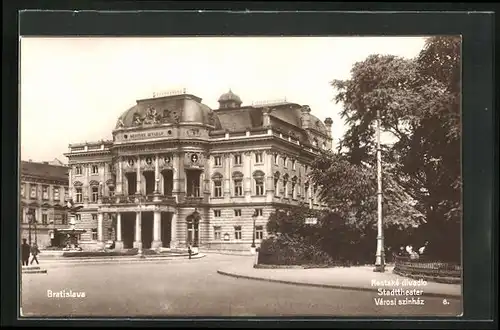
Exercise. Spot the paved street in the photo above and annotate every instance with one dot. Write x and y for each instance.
(193, 288)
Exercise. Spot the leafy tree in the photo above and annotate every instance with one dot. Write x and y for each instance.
(419, 105)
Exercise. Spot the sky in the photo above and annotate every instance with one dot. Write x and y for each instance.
(73, 90)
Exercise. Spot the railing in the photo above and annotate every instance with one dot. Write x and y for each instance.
(133, 199)
(426, 267)
(193, 199)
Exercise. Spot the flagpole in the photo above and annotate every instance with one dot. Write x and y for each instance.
(379, 257)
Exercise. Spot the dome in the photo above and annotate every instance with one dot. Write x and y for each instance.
(230, 96)
(171, 110)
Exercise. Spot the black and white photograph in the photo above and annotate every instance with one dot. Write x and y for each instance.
(232, 176)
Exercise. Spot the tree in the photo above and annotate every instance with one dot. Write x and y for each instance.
(419, 103)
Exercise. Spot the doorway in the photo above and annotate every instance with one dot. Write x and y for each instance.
(147, 229)
(128, 229)
(166, 229)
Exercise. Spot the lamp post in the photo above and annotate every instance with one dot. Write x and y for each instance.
(379, 257)
(252, 248)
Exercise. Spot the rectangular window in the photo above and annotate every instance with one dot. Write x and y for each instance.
(217, 232)
(237, 159)
(259, 187)
(95, 194)
(237, 213)
(276, 159)
(218, 188)
(94, 217)
(111, 191)
(259, 232)
(56, 193)
(95, 169)
(66, 193)
(258, 157)
(64, 219)
(237, 232)
(293, 190)
(94, 234)
(217, 213)
(258, 212)
(78, 195)
(294, 164)
(33, 191)
(276, 190)
(285, 161)
(22, 189)
(45, 192)
(78, 170)
(238, 187)
(45, 219)
(78, 217)
(217, 161)
(110, 168)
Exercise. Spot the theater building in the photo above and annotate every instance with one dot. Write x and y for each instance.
(43, 190)
(178, 172)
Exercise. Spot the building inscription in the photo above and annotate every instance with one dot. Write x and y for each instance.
(144, 135)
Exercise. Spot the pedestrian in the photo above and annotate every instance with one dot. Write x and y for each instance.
(422, 250)
(189, 251)
(34, 252)
(25, 252)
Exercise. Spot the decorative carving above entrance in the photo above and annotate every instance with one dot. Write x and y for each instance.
(194, 159)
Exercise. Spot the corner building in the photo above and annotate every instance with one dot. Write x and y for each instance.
(179, 173)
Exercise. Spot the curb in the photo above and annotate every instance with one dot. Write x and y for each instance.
(329, 286)
(72, 261)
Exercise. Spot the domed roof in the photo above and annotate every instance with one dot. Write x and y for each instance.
(184, 109)
(230, 96)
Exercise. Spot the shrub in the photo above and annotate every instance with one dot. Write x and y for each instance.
(284, 250)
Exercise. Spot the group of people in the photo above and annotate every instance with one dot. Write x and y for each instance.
(409, 252)
(26, 250)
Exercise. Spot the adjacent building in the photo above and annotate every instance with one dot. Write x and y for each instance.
(43, 191)
(178, 172)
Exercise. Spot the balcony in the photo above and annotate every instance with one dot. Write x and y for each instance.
(139, 199)
(193, 200)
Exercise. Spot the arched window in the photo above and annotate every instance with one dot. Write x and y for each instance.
(276, 183)
(285, 184)
(217, 180)
(259, 182)
(294, 183)
(238, 183)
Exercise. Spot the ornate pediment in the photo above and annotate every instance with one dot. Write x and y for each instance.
(150, 117)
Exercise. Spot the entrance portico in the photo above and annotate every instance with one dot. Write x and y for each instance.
(142, 229)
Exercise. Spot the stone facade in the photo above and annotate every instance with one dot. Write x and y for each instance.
(43, 190)
(179, 173)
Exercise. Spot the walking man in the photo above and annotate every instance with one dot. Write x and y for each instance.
(34, 252)
(25, 252)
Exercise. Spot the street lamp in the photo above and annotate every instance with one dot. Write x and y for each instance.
(254, 216)
(379, 257)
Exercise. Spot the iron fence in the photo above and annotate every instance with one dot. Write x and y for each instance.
(426, 266)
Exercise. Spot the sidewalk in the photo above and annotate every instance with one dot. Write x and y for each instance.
(114, 259)
(352, 278)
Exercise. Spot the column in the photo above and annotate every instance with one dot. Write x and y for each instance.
(227, 175)
(119, 178)
(100, 240)
(173, 230)
(119, 242)
(156, 230)
(138, 187)
(70, 185)
(85, 190)
(247, 176)
(177, 168)
(268, 161)
(138, 223)
(157, 175)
